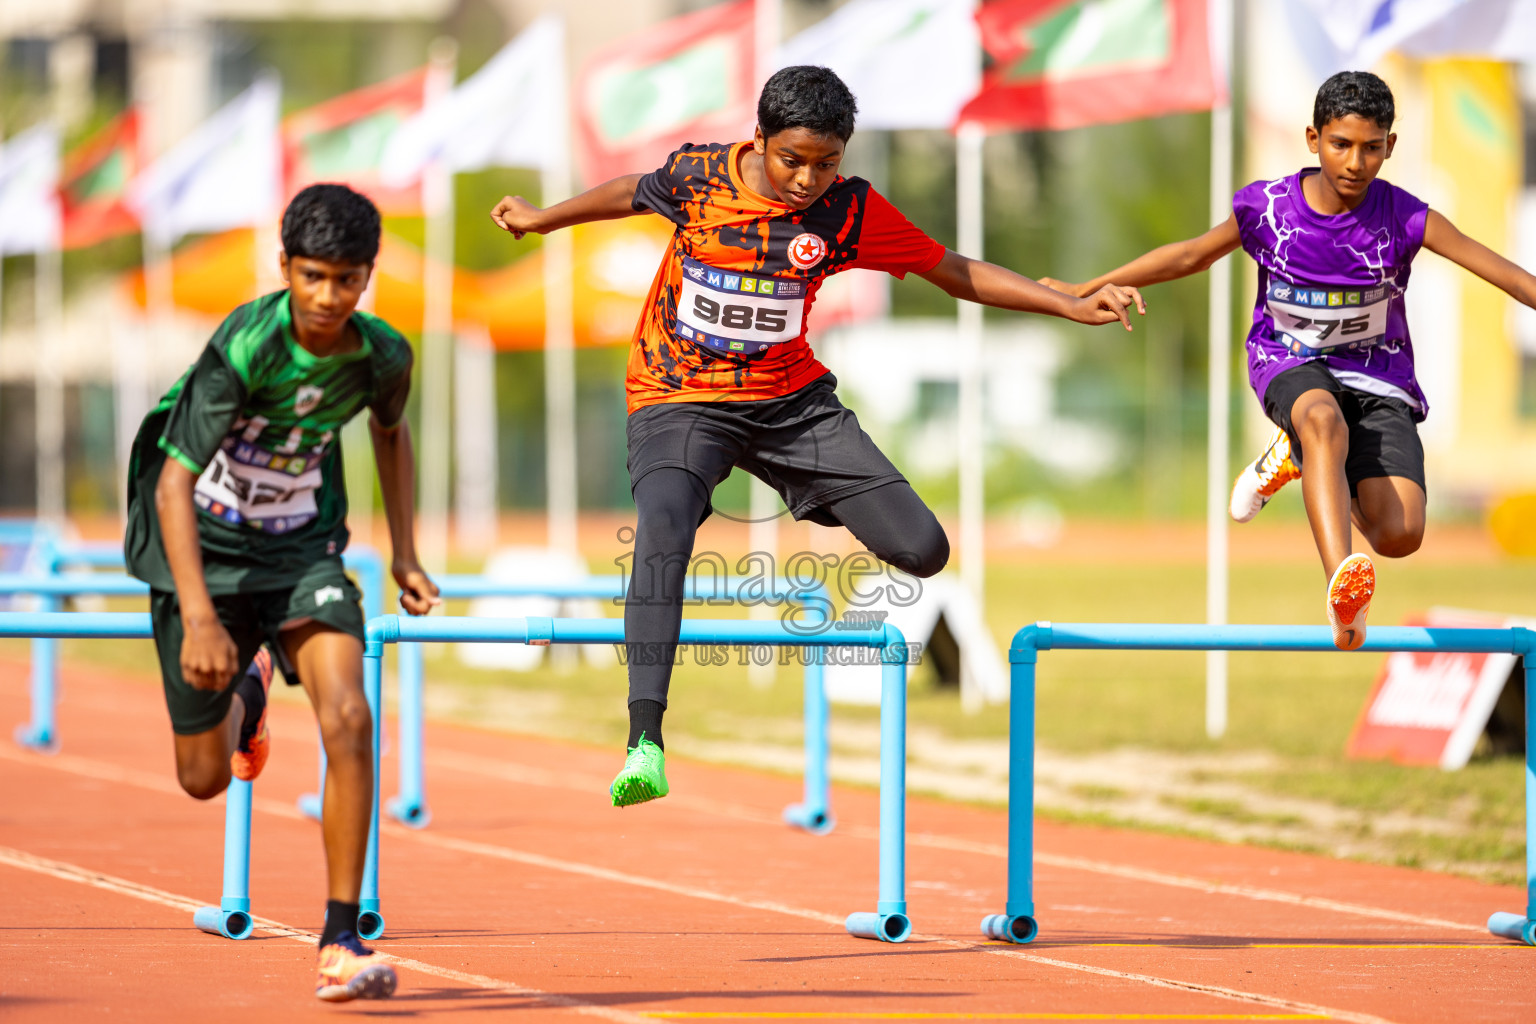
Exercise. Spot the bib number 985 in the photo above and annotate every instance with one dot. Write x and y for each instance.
(739, 317)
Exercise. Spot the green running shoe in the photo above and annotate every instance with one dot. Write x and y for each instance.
(644, 776)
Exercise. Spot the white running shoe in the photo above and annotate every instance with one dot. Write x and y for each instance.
(1261, 480)
(1349, 601)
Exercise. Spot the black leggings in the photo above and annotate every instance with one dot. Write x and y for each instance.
(890, 520)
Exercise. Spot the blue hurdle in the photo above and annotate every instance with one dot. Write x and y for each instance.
(813, 813)
(41, 733)
(888, 922)
(1017, 921)
(232, 917)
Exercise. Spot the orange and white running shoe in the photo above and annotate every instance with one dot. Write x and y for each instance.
(1349, 600)
(350, 970)
(1259, 482)
(250, 757)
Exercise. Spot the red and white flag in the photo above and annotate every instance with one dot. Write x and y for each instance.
(689, 79)
(1069, 63)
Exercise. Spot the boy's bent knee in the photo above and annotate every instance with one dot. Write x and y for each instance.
(1398, 543)
(1322, 419)
(203, 781)
(927, 553)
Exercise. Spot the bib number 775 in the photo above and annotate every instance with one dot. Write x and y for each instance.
(740, 317)
(1323, 328)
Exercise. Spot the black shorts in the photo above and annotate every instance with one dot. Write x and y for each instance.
(807, 446)
(324, 594)
(1383, 438)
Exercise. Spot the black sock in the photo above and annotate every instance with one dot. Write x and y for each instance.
(254, 697)
(645, 719)
(339, 917)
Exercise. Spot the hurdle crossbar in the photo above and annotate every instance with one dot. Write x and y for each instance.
(813, 813)
(1017, 922)
(888, 922)
(41, 732)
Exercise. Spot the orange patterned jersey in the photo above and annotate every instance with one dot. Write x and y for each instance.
(726, 316)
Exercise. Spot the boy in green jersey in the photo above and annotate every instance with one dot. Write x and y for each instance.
(237, 521)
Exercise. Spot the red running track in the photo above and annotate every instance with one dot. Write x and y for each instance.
(530, 895)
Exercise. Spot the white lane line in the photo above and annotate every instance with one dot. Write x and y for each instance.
(104, 771)
(532, 775)
(124, 887)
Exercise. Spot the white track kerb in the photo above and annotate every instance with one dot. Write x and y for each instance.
(1017, 921)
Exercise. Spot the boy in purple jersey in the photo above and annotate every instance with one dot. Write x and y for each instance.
(1328, 353)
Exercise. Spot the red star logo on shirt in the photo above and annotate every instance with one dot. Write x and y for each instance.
(807, 250)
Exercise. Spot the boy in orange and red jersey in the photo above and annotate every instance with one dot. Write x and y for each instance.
(720, 374)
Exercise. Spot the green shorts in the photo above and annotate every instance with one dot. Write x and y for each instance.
(324, 594)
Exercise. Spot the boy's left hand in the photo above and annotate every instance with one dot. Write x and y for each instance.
(1063, 286)
(1107, 305)
(418, 594)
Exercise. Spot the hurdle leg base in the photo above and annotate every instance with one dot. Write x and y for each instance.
(883, 927)
(410, 813)
(1021, 929)
(818, 821)
(311, 806)
(370, 921)
(1513, 926)
(228, 922)
(42, 741)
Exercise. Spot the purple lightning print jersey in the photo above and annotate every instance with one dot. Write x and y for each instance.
(1331, 287)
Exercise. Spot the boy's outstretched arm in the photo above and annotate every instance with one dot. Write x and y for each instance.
(1442, 238)
(992, 285)
(1165, 263)
(396, 461)
(608, 201)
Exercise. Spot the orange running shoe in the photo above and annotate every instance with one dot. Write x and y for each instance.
(1349, 600)
(350, 970)
(250, 757)
(1262, 480)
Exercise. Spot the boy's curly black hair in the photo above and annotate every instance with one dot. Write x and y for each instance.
(806, 96)
(331, 223)
(1354, 92)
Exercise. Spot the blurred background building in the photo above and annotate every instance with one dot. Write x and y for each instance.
(1076, 421)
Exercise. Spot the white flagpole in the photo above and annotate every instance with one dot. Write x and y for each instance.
(1218, 436)
(969, 138)
(48, 383)
(437, 329)
(560, 337)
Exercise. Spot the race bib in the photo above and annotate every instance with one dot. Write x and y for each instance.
(735, 313)
(273, 493)
(1311, 321)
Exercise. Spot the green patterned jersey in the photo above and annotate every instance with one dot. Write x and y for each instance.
(258, 419)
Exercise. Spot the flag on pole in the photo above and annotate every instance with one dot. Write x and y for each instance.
(1068, 63)
(95, 184)
(343, 140)
(507, 114)
(1356, 34)
(910, 63)
(29, 191)
(688, 79)
(224, 175)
